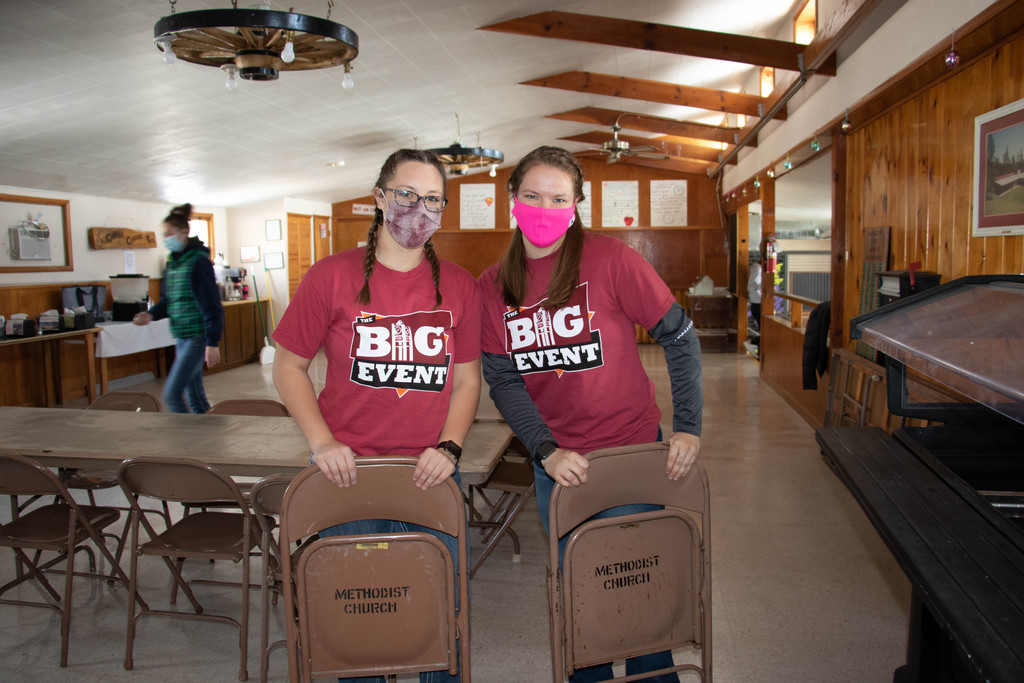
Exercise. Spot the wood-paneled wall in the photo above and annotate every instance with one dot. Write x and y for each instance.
(679, 254)
(912, 169)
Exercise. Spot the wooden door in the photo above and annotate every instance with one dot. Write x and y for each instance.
(321, 237)
(300, 249)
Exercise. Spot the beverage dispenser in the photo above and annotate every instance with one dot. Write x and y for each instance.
(131, 295)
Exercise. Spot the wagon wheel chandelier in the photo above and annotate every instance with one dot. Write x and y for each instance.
(256, 43)
(458, 159)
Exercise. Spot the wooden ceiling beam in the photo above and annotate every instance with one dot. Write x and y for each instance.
(657, 91)
(643, 35)
(672, 164)
(650, 124)
(682, 148)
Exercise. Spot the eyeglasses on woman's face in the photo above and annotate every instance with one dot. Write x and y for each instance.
(409, 199)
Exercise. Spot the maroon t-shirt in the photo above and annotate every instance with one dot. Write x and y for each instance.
(580, 363)
(389, 362)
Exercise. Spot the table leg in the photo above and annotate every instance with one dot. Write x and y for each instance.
(90, 362)
(161, 360)
(104, 375)
(58, 382)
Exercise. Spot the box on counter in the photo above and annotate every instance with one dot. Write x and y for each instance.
(20, 328)
(49, 323)
(77, 321)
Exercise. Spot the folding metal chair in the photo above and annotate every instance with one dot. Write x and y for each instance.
(636, 584)
(514, 480)
(90, 480)
(202, 535)
(263, 407)
(266, 498)
(62, 527)
(375, 604)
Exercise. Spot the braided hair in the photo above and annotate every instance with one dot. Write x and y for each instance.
(387, 172)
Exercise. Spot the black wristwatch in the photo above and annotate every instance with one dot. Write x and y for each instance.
(544, 451)
(451, 448)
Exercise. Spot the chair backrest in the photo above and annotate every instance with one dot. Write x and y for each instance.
(21, 476)
(633, 584)
(377, 603)
(262, 407)
(181, 480)
(267, 497)
(133, 401)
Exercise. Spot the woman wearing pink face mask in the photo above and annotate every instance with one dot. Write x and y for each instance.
(401, 332)
(559, 346)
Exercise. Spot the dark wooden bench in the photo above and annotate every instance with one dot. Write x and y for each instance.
(964, 561)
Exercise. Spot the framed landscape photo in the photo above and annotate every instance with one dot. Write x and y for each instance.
(273, 230)
(999, 172)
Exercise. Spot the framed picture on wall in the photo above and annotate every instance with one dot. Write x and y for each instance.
(36, 234)
(250, 254)
(273, 230)
(273, 260)
(999, 171)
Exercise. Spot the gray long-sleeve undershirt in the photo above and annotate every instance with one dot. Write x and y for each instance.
(676, 335)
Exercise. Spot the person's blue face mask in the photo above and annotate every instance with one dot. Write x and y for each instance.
(174, 244)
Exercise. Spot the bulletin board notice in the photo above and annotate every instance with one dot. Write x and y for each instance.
(476, 206)
(668, 202)
(583, 208)
(620, 203)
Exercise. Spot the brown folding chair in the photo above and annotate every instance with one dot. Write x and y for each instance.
(202, 535)
(636, 584)
(375, 604)
(514, 480)
(263, 407)
(266, 498)
(62, 527)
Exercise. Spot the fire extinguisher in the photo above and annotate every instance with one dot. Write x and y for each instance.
(771, 252)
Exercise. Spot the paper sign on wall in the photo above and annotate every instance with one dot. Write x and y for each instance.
(620, 203)
(476, 206)
(668, 202)
(363, 209)
(583, 208)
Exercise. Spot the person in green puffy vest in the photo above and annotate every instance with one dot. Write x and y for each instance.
(190, 298)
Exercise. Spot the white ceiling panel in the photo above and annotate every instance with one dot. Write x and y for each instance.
(88, 105)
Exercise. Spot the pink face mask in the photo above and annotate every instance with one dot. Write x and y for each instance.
(543, 227)
(411, 226)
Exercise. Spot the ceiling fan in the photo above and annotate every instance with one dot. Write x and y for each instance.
(616, 148)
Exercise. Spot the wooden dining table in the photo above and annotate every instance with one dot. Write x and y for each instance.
(240, 445)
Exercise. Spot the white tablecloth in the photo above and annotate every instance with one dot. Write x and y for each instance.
(123, 338)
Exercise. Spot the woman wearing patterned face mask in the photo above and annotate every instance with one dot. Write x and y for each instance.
(559, 346)
(375, 310)
(190, 298)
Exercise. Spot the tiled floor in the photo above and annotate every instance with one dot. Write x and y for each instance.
(803, 589)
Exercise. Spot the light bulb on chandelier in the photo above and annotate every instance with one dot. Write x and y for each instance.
(288, 53)
(347, 83)
(231, 70)
(494, 171)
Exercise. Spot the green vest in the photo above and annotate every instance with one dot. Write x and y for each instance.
(186, 318)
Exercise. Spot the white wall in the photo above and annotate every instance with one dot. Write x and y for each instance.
(248, 228)
(88, 211)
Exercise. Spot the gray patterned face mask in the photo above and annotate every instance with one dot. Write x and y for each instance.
(411, 226)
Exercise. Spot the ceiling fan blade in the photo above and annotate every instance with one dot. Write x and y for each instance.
(648, 155)
(645, 148)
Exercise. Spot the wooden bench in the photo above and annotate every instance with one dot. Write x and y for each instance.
(964, 561)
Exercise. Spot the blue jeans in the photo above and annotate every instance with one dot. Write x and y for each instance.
(387, 526)
(634, 665)
(185, 380)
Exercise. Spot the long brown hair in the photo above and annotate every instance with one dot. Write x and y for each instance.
(512, 269)
(387, 172)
